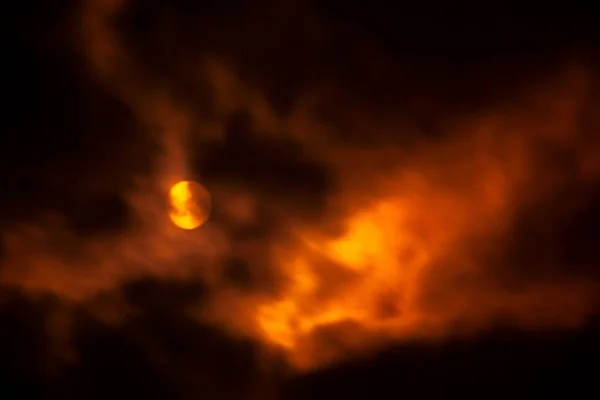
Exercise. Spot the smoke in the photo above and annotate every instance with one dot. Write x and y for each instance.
(353, 206)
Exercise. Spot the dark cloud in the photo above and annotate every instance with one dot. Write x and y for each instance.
(157, 351)
(274, 167)
(161, 352)
(238, 272)
(163, 296)
(550, 242)
(23, 344)
(106, 215)
(495, 365)
(66, 136)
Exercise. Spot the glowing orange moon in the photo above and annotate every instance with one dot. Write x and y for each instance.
(190, 204)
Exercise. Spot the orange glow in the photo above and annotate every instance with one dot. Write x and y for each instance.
(418, 235)
(190, 204)
(370, 252)
(403, 262)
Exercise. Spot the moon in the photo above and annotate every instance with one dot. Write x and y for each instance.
(190, 204)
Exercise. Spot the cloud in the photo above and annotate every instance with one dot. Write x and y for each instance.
(360, 201)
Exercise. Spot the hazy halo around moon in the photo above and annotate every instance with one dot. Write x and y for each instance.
(190, 204)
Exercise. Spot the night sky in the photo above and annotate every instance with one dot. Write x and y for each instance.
(406, 200)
